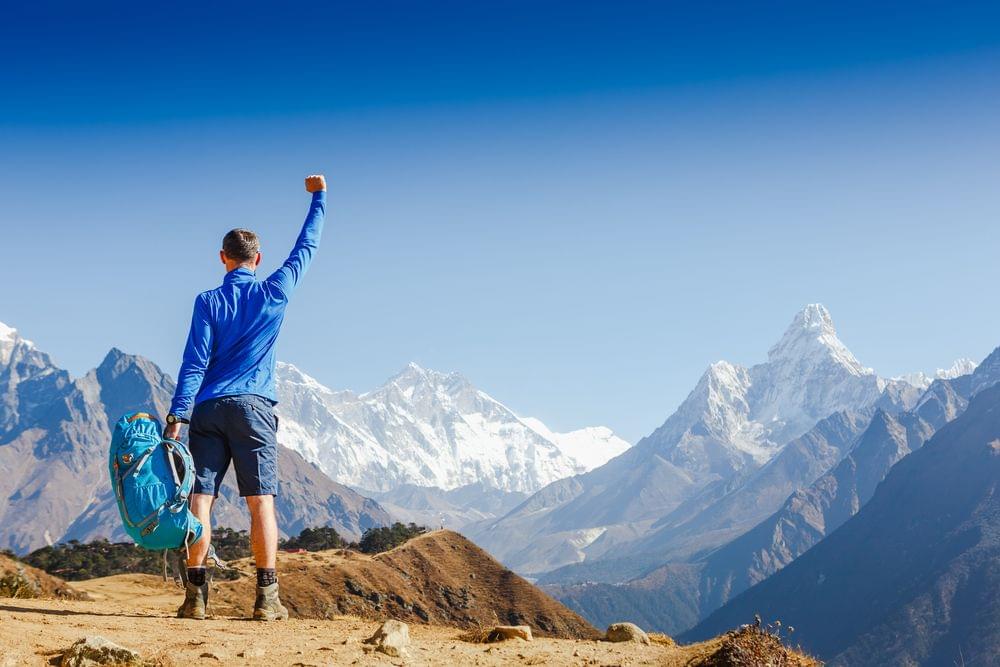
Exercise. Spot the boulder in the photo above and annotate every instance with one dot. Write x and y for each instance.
(392, 638)
(96, 650)
(626, 632)
(503, 632)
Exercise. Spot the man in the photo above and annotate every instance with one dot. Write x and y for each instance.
(226, 389)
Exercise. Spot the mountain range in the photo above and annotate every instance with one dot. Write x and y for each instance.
(432, 433)
(732, 425)
(766, 483)
(913, 578)
(729, 492)
(54, 443)
(429, 429)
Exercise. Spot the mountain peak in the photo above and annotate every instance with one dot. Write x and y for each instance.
(415, 374)
(961, 366)
(9, 340)
(813, 320)
(118, 364)
(9, 337)
(815, 316)
(293, 375)
(812, 334)
(116, 360)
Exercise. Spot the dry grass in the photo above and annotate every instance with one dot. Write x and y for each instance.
(18, 580)
(755, 646)
(16, 584)
(661, 639)
(480, 634)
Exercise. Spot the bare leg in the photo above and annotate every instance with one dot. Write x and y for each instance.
(263, 530)
(201, 505)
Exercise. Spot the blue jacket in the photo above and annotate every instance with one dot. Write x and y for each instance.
(230, 349)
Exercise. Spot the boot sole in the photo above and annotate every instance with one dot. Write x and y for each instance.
(265, 615)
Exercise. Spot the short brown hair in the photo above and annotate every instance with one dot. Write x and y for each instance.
(240, 245)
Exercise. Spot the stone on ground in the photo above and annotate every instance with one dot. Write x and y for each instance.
(504, 632)
(392, 638)
(626, 632)
(96, 650)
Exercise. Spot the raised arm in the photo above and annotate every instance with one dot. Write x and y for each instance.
(196, 355)
(288, 276)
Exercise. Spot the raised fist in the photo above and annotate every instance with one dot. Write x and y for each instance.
(315, 183)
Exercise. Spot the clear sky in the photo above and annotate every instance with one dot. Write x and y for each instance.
(577, 205)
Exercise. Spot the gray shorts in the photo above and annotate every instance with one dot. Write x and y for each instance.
(242, 429)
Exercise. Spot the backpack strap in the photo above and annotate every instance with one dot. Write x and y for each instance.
(183, 486)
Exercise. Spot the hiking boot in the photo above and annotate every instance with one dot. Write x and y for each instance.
(267, 606)
(195, 602)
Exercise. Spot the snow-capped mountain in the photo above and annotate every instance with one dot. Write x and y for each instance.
(428, 429)
(26, 374)
(963, 366)
(590, 446)
(739, 417)
(734, 421)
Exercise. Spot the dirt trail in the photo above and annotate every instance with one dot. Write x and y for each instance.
(32, 632)
(137, 611)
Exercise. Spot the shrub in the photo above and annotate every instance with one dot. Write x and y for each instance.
(377, 540)
(17, 584)
(315, 539)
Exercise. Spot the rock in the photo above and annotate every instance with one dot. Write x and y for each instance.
(221, 656)
(96, 650)
(392, 638)
(353, 587)
(504, 632)
(252, 652)
(626, 632)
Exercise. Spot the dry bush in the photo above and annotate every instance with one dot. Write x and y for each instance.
(17, 584)
(757, 646)
(480, 634)
(661, 639)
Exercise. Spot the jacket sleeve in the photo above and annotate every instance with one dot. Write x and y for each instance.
(288, 276)
(197, 353)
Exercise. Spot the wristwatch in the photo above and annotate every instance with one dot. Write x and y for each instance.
(174, 419)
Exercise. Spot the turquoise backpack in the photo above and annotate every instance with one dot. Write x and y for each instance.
(152, 479)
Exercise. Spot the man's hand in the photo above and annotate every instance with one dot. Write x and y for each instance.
(315, 183)
(172, 431)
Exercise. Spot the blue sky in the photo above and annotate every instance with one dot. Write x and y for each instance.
(577, 205)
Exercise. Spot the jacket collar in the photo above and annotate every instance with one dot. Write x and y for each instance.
(239, 276)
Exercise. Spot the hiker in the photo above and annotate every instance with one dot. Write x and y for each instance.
(226, 389)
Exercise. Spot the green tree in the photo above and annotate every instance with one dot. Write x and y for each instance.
(315, 539)
(377, 540)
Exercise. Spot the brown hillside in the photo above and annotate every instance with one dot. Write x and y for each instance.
(439, 578)
(31, 582)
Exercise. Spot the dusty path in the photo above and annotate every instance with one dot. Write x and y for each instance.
(136, 611)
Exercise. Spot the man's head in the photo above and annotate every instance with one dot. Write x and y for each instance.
(240, 248)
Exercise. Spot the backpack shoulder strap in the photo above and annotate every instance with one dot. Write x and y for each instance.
(183, 486)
